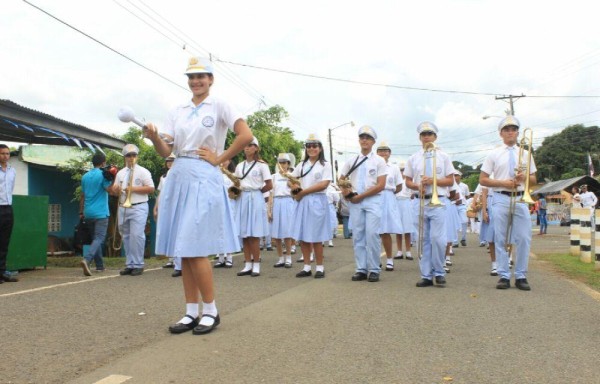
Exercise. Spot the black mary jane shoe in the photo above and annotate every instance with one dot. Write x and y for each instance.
(245, 273)
(219, 264)
(304, 273)
(279, 265)
(204, 329)
(181, 328)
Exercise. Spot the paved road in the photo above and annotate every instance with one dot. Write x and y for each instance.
(280, 329)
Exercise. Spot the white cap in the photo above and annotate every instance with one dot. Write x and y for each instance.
(384, 145)
(130, 148)
(283, 157)
(508, 121)
(198, 65)
(313, 138)
(367, 130)
(457, 172)
(254, 141)
(427, 126)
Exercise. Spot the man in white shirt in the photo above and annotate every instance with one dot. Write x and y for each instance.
(136, 182)
(588, 200)
(7, 185)
(461, 206)
(419, 176)
(509, 178)
(367, 173)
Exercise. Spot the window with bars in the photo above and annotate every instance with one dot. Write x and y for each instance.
(54, 218)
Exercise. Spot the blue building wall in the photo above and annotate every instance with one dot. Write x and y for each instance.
(58, 186)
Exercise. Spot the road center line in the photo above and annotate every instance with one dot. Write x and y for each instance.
(113, 379)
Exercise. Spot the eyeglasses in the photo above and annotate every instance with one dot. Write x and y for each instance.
(311, 145)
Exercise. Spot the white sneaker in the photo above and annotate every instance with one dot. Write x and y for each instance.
(330, 243)
(494, 272)
(448, 261)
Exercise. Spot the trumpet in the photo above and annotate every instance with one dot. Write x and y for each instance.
(234, 191)
(525, 140)
(428, 150)
(293, 182)
(117, 244)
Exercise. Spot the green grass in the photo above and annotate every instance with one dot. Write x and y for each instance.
(574, 269)
(109, 262)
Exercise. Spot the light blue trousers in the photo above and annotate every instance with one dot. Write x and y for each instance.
(434, 241)
(132, 226)
(365, 219)
(520, 236)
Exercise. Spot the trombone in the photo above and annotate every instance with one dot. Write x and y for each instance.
(117, 244)
(525, 140)
(428, 150)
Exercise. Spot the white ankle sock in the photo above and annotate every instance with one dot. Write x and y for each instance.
(390, 262)
(191, 309)
(229, 257)
(288, 259)
(408, 254)
(306, 267)
(221, 257)
(320, 268)
(208, 309)
(256, 267)
(280, 260)
(247, 266)
(399, 253)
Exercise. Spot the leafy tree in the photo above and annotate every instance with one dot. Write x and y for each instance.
(566, 153)
(272, 137)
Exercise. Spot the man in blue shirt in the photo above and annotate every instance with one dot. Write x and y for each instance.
(94, 207)
(7, 185)
(542, 210)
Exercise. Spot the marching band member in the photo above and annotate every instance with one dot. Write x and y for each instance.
(391, 222)
(420, 175)
(281, 210)
(333, 198)
(255, 179)
(488, 226)
(404, 199)
(225, 259)
(462, 206)
(508, 177)
(312, 223)
(132, 221)
(452, 222)
(367, 174)
(195, 216)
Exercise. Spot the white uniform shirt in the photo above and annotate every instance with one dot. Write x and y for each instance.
(205, 125)
(415, 169)
(141, 177)
(333, 195)
(376, 167)
(161, 183)
(464, 191)
(394, 177)
(255, 179)
(313, 173)
(497, 163)
(280, 185)
(588, 199)
(405, 192)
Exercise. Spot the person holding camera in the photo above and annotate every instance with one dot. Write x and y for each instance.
(94, 208)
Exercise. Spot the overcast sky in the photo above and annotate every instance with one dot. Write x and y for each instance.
(477, 48)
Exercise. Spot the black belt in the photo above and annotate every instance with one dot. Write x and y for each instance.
(136, 204)
(507, 193)
(428, 196)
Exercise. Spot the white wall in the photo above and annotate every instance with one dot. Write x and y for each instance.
(21, 183)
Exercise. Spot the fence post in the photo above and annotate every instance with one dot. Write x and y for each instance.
(585, 236)
(574, 232)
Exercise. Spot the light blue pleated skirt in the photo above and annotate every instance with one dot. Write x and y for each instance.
(406, 214)
(390, 215)
(452, 222)
(283, 217)
(252, 214)
(196, 219)
(312, 221)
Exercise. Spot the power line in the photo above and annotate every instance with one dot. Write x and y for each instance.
(106, 46)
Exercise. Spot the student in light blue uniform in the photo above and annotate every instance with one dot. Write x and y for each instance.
(404, 198)
(132, 220)
(312, 217)
(510, 176)
(225, 259)
(196, 219)
(367, 173)
(391, 222)
(419, 177)
(281, 208)
(255, 180)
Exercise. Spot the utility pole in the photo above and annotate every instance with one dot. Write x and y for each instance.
(510, 101)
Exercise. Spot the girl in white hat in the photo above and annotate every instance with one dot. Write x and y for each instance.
(195, 216)
(281, 210)
(312, 221)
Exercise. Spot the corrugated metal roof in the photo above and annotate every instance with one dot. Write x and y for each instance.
(567, 184)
